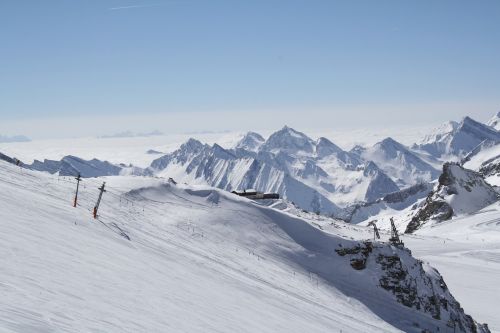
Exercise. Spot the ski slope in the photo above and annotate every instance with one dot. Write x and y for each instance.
(466, 250)
(165, 258)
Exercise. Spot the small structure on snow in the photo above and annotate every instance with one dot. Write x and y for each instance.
(254, 195)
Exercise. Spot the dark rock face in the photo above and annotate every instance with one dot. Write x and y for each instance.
(394, 280)
(439, 210)
(7, 159)
(359, 254)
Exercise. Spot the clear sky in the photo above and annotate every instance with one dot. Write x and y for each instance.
(95, 66)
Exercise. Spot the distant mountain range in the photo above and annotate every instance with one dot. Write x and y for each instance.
(315, 175)
(15, 138)
(130, 134)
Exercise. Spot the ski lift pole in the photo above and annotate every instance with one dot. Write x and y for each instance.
(102, 190)
(78, 179)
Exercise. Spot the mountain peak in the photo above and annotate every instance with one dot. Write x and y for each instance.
(220, 152)
(478, 130)
(191, 145)
(250, 141)
(289, 140)
(495, 121)
(325, 147)
(457, 140)
(390, 142)
(459, 191)
(293, 132)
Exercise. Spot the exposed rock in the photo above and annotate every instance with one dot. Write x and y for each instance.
(411, 282)
(459, 191)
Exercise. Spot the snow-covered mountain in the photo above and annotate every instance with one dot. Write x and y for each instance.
(460, 191)
(315, 175)
(495, 121)
(455, 140)
(217, 263)
(398, 162)
(289, 141)
(15, 138)
(72, 166)
(251, 141)
(390, 204)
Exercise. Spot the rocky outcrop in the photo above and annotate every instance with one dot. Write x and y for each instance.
(412, 283)
(459, 191)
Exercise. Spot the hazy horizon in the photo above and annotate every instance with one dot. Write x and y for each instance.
(96, 68)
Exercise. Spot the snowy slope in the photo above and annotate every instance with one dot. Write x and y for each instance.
(466, 250)
(164, 258)
(487, 163)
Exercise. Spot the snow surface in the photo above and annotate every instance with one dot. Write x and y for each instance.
(466, 251)
(163, 258)
(193, 264)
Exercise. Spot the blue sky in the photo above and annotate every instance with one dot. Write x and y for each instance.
(324, 63)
